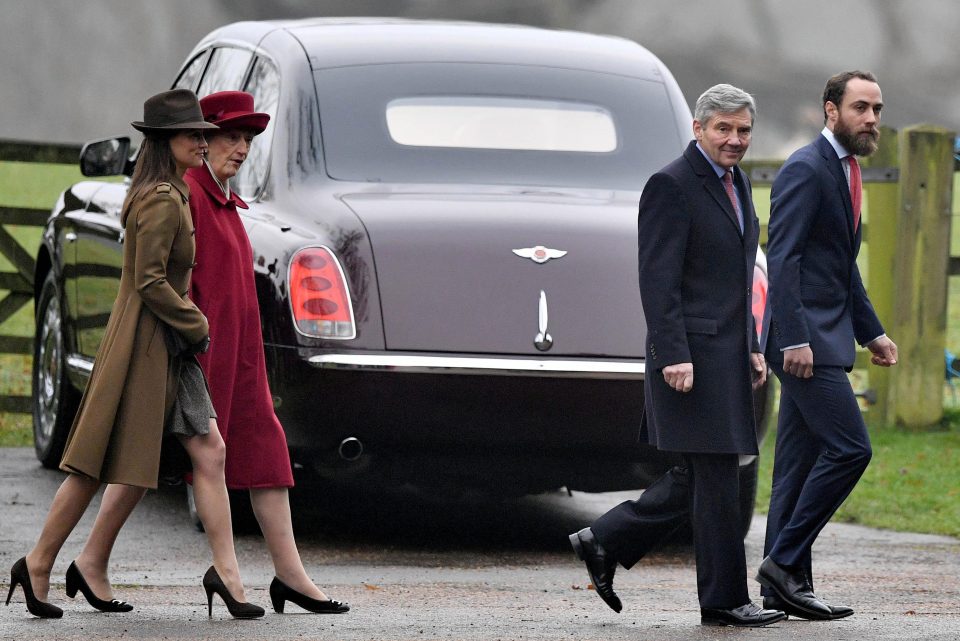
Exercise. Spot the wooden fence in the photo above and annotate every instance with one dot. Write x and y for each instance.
(19, 283)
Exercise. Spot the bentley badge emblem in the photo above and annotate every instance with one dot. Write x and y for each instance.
(539, 254)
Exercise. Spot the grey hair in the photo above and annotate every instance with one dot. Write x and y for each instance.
(723, 99)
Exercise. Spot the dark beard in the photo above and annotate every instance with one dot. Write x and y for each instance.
(859, 145)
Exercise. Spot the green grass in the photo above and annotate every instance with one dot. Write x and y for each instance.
(15, 429)
(911, 485)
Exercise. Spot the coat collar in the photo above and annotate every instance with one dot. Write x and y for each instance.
(180, 186)
(702, 167)
(203, 177)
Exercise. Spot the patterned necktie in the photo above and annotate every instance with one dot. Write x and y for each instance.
(856, 189)
(728, 185)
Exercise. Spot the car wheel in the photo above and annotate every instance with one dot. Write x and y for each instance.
(748, 494)
(243, 519)
(241, 512)
(192, 509)
(55, 401)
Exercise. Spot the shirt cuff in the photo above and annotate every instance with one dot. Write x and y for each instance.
(799, 345)
(875, 339)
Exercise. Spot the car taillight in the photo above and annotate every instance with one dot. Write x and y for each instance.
(319, 295)
(759, 297)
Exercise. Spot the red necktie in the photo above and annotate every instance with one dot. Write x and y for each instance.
(728, 185)
(856, 189)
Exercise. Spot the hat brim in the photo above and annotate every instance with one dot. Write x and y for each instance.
(255, 121)
(139, 125)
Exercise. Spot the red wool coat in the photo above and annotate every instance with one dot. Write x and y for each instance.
(223, 288)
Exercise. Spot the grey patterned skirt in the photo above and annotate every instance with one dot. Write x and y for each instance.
(192, 409)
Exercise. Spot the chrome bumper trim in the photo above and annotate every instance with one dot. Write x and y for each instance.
(481, 366)
(80, 364)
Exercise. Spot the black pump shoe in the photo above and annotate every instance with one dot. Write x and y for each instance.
(280, 592)
(238, 610)
(19, 575)
(75, 581)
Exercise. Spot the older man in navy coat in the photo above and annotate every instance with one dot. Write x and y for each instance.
(817, 307)
(697, 246)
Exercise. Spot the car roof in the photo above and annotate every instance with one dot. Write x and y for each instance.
(338, 42)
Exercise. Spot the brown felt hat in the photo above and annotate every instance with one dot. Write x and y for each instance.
(170, 111)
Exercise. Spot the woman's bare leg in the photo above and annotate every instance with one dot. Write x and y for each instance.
(208, 454)
(272, 509)
(67, 508)
(115, 508)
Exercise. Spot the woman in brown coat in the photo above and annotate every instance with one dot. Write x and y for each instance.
(145, 382)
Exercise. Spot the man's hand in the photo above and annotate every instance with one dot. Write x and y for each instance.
(799, 361)
(884, 352)
(759, 367)
(679, 376)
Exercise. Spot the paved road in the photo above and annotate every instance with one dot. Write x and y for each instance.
(417, 567)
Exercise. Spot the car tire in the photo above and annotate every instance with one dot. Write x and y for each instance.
(241, 513)
(748, 494)
(242, 517)
(192, 509)
(55, 401)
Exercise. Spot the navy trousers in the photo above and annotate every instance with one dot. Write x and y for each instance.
(822, 451)
(706, 494)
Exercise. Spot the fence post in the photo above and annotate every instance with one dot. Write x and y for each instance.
(882, 202)
(914, 276)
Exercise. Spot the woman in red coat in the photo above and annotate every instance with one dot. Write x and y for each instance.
(223, 288)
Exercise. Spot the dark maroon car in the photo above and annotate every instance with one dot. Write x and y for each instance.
(443, 218)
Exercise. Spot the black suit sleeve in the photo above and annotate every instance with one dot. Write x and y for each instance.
(663, 227)
(866, 325)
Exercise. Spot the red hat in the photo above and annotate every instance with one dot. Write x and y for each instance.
(233, 110)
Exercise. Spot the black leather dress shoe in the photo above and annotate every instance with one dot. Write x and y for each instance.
(776, 603)
(600, 567)
(795, 591)
(746, 616)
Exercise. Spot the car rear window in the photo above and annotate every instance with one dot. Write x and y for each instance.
(494, 124)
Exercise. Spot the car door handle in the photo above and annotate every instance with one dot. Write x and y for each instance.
(70, 237)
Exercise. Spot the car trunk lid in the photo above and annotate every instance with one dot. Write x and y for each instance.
(474, 273)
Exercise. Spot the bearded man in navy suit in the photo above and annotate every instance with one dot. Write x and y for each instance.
(817, 307)
(697, 234)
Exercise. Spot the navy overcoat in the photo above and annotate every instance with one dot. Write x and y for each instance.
(696, 276)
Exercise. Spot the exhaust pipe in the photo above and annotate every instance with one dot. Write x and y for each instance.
(350, 449)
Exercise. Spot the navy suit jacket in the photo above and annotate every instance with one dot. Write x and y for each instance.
(696, 276)
(816, 295)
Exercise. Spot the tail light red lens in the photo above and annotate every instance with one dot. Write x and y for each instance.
(319, 295)
(759, 297)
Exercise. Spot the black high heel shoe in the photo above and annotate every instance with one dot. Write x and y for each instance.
(75, 581)
(20, 576)
(239, 610)
(281, 592)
